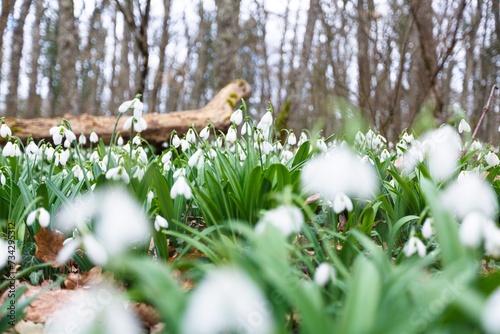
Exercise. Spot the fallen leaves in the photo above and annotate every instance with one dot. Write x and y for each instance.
(48, 245)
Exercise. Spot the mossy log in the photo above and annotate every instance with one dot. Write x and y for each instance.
(160, 126)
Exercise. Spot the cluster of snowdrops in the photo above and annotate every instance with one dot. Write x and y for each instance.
(277, 231)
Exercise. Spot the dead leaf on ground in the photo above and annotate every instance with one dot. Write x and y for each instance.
(48, 245)
(146, 313)
(77, 280)
(28, 327)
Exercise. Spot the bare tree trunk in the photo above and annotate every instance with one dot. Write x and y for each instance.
(7, 9)
(68, 42)
(33, 104)
(15, 60)
(165, 37)
(226, 44)
(363, 36)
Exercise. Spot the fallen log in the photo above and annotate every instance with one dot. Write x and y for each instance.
(160, 126)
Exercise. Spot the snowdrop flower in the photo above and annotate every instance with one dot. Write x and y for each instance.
(491, 159)
(472, 229)
(82, 140)
(384, 155)
(176, 142)
(118, 173)
(443, 148)
(428, 228)
(320, 143)
(137, 141)
(184, 145)
(181, 187)
(59, 132)
(139, 173)
(134, 103)
(99, 309)
(246, 128)
(237, 117)
(140, 124)
(160, 222)
(119, 223)
(292, 140)
(409, 139)
(119, 142)
(227, 301)
(414, 245)
(324, 273)
(205, 133)
(492, 240)
(3, 180)
(231, 135)
(463, 126)
(191, 136)
(32, 150)
(302, 139)
(286, 218)
(469, 194)
(94, 138)
(77, 172)
(41, 215)
(5, 131)
(490, 318)
(341, 171)
(6, 253)
(11, 150)
(198, 155)
(49, 152)
(341, 203)
(286, 156)
(61, 157)
(265, 122)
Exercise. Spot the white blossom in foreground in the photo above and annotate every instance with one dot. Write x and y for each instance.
(463, 126)
(491, 313)
(101, 309)
(472, 229)
(470, 193)
(342, 202)
(227, 301)
(340, 171)
(41, 215)
(324, 273)
(94, 138)
(443, 149)
(119, 223)
(414, 245)
(181, 187)
(287, 218)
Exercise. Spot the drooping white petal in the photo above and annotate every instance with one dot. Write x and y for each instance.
(342, 202)
(324, 273)
(287, 218)
(427, 228)
(463, 126)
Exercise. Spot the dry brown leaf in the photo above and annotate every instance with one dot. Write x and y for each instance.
(146, 313)
(47, 303)
(48, 245)
(77, 280)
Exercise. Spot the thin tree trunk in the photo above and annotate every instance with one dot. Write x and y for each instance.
(15, 60)
(33, 103)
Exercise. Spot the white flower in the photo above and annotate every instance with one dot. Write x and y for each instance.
(191, 136)
(39, 214)
(463, 126)
(491, 159)
(94, 138)
(231, 135)
(205, 133)
(8, 150)
(176, 142)
(292, 140)
(227, 301)
(118, 173)
(139, 173)
(184, 145)
(443, 147)
(265, 122)
(302, 139)
(492, 240)
(82, 140)
(57, 133)
(469, 194)
(490, 318)
(3, 180)
(324, 273)
(287, 218)
(5, 131)
(384, 155)
(237, 117)
(61, 157)
(414, 245)
(472, 229)
(32, 149)
(100, 309)
(342, 202)
(198, 155)
(119, 223)
(427, 228)
(160, 222)
(320, 143)
(119, 142)
(341, 171)
(181, 187)
(246, 128)
(140, 124)
(134, 103)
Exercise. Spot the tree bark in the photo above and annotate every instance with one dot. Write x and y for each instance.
(217, 112)
(15, 60)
